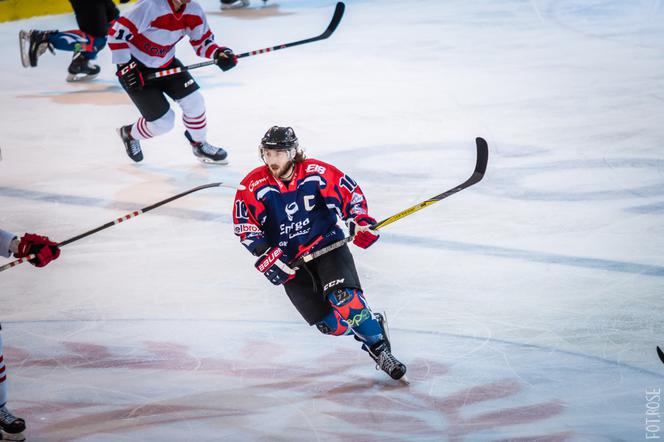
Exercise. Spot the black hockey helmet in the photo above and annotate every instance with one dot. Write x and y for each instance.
(278, 137)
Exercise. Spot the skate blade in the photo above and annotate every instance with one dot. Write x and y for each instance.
(404, 380)
(24, 45)
(240, 5)
(209, 161)
(76, 78)
(16, 437)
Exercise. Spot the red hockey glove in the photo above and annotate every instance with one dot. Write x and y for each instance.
(130, 76)
(274, 265)
(45, 249)
(225, 58)
(359, 227)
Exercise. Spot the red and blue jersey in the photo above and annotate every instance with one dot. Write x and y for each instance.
(298, 216)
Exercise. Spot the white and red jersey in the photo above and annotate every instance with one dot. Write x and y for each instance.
(150, 30)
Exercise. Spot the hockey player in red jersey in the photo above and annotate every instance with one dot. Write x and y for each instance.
(12, 427)
(289, 207)
(143, 41)
(94, 17)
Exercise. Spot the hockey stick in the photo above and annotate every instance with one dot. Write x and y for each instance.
(476, 177)
(336, 18)
(122, 219)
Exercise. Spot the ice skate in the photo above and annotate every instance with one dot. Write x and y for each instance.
(11, 427)
(132, 146)
(80, 69)
(381, 353)
(206, 152)
(234, 4)
(32, 45)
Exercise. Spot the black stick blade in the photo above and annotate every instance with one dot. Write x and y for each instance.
(336, 19)
(482, 155)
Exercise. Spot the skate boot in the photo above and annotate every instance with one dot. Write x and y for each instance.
(132, 146)
(381, 353)
(234, 4)
(206, 152)
(33, 44)
(11, 427)
(80, 69)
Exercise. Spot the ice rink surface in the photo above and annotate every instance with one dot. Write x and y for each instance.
(527, 307)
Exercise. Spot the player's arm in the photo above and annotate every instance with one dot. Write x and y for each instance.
(124, 29)
(202, 40)
(42, 247)
(351, 204)
(248, 213)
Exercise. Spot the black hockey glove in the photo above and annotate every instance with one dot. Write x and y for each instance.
(274, 265)
(225, 58)
(130, 76)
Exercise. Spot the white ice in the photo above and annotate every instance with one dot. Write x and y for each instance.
(526, 307)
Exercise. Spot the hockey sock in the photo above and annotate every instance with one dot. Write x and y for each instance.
(73, 41)
(351, 305)
(143, 129)
(3, 378)
(193, 115)
(333, 324)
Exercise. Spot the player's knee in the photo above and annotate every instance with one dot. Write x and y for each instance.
(347, 297)
(193, 104)
(162, 124)
(349, 303)
(333, 324)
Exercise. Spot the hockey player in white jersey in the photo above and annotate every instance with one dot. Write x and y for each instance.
(143, 41)
(45, 250)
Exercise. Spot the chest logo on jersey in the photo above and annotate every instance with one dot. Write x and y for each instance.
(291, 209)
(155, 51)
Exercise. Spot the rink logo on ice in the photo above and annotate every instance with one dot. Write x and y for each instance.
(653, 415)
(660, 353)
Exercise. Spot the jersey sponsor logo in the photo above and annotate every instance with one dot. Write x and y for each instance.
(294, 229)
(315, 168)
(154, 50)
(189, 83)
(245, 228)
(291, 209)
(333, 283)
(253, 184)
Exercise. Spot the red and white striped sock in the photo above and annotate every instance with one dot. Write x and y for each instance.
(141, 130)
(3, 379)
(197, 126)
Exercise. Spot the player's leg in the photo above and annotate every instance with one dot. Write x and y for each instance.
(343, 290)
(11, 427)
(185, 91)
(157, 118)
